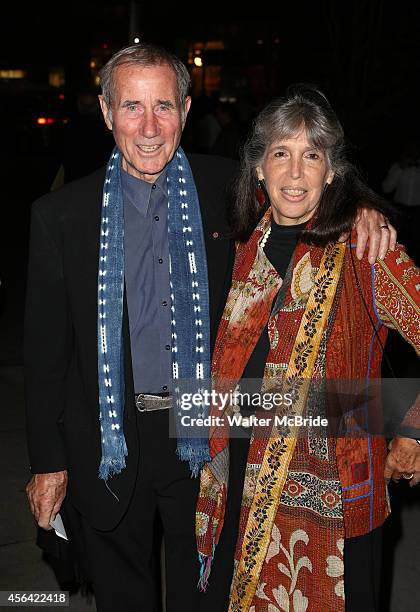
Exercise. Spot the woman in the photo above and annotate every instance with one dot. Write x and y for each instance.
(308, 527)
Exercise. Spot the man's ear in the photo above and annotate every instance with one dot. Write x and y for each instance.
(106, 112)
(186, 109)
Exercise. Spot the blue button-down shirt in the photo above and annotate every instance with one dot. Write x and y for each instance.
(146, 254)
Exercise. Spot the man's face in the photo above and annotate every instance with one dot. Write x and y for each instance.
(147, 120)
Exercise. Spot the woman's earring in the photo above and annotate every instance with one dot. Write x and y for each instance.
(260, 192)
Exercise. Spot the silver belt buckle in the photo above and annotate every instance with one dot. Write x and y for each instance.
(149, 403)
(141, 407)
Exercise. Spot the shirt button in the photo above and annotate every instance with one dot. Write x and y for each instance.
(153, 186)
(160, 260)
(156, 218)
(215, 234)
(164, 303)
(164, 388)
(167, 347)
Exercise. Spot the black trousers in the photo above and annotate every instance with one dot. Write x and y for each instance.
(122, 562)
(362, 555)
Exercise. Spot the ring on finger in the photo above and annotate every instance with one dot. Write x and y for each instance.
(408, 476)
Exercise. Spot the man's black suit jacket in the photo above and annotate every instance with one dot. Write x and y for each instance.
(61, 333)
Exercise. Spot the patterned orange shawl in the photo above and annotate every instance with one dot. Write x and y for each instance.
(268, 547)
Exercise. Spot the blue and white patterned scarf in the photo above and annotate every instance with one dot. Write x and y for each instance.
(190, 321)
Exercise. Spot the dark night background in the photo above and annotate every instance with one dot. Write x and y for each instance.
(365, 55)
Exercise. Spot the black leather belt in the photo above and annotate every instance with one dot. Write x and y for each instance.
(146, 402)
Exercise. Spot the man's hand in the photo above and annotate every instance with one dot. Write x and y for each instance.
(403, 461)
(372, 226)
(45, 494)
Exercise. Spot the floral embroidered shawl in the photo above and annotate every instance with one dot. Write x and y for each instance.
(268, 475)
(334, 488)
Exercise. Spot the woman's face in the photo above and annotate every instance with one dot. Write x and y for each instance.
(295, 173)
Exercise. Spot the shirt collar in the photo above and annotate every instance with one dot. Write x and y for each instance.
(140, 192)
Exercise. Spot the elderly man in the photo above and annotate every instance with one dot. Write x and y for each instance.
(128, 274)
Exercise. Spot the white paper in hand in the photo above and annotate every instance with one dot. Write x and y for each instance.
(58, 527)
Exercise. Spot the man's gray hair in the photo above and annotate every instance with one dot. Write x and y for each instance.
(144, 54)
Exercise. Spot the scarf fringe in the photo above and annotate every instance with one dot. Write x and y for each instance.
(113, 464)
(205, 569)
(196, 457)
